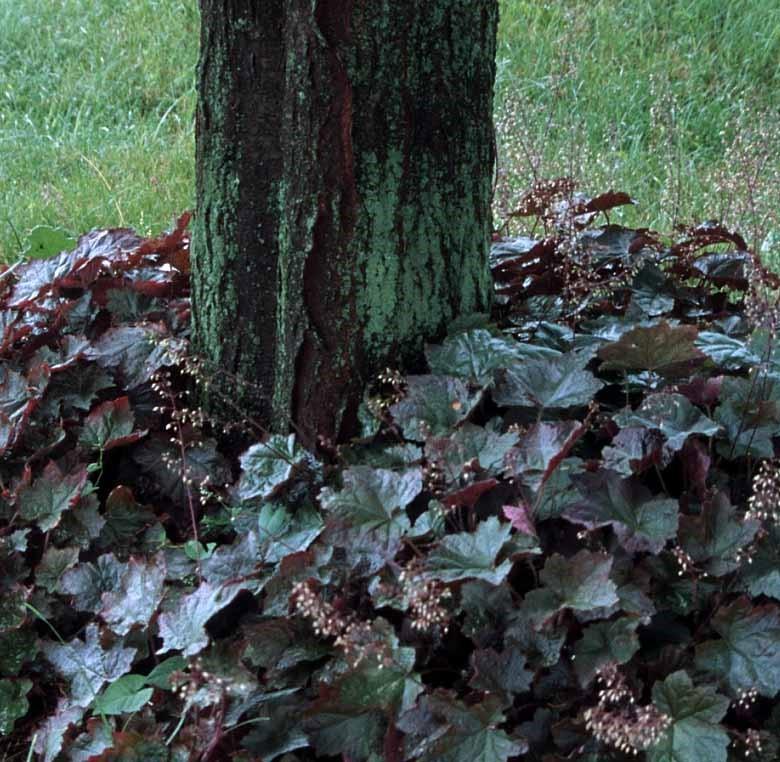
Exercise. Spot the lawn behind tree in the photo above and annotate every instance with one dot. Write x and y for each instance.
(675, 101)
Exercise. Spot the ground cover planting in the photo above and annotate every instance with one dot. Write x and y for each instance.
(557, 542)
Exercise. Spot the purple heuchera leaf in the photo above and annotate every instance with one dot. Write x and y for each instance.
(87, 664)
(137, 597)
(45, 500)
(184, 628)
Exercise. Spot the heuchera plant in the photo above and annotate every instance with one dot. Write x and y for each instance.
(561, 543)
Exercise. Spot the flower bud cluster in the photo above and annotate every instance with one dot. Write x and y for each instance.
(359, 643)
(187, 685)
(684, 560)
(746, 698)
(434, 478)
(764, 503)
(753, 745)
(425, 602)
(357, 639)
(617, 721)
(391, 384)
(325, 620)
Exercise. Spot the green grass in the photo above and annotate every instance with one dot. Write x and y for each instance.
(675, 101)
(96, 114)
(98, 96)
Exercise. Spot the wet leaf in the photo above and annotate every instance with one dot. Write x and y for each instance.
(50, 495)
(475, 355)
(695, 733)
(374, 498)
(471, 555)
(124, 696)
(13, 703)
(661, 348)
(746, 652)
(184, 628)
(641, 522)
(137, 596)
(603, 643)
(556, 383)
(87, 665)
(110, 425)
(672, 415)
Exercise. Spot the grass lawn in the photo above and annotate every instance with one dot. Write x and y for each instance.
(675, 101)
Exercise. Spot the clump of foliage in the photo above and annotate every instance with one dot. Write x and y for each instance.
(560, 543)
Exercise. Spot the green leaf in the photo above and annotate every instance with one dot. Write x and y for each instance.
(540, 645)
(641, 522)
(466, 443)
(726, 351)
(604, 643)
(662, 348)
(652, 291)
(279, 645)
(471, 555)
(355, 736)
(673, 415)
(560, 382)
(749, 414)
(267, 466)
(50, 495)
(200, 460)
(432, 405)
(503, 674)
(475, 355)
(13, 703)
(110, 425)
(714, 538)
(541, 450)
(762, 575)
(581, 583)
(54, 563)
(471, 732)
(550, 500)
(137, 596)
(746, 654)
(279, 733)
(374, 498)
(123, 696)
(128, 306)
(184, 628)
(160, 676)
(281, 532)
(80, 525)
(15, 394)
(695, 733)
(45, 241)
(12, 607)
(380, 685)
(87, 665)
(17, 646)
(197, 551)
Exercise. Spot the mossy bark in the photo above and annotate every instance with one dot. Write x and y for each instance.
(345, 161)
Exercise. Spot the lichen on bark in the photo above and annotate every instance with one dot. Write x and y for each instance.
(345, 162)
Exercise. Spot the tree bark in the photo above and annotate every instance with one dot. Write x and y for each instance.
(344, 172)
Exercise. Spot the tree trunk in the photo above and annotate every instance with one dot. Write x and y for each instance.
(344, 171)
